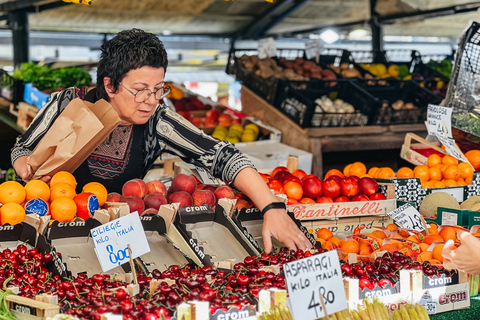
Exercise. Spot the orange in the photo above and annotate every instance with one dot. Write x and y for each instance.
(434, 160)
(425, 256)
(433, 238)
(435, 174)
(405, 172)
(433, 229)
(384, 173)
(63, 209)
(357, 169)
(448, 233)
(437, 252)
(307, 201)
(451, 172)
(422, 172)
(473, 157)
(461, 182)
(324, 233)
(379, 234)
(466, 170)
(292, 189)
(423, 246)
(11, 213)
(346, 170)
(428, 184)
(449, 160)
(366, 252)
(37, 189)
(64, 176)
(350, 246)
(334, 172)
(413, 238)
(389, 247)
(438, 184)
(450, 183)
(62, 189)
(12, 191)
(334, 240)
(392, 226)
(101, 192)
(329, 246)
(372, 171)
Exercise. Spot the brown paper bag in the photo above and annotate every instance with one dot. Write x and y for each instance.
(77, 131)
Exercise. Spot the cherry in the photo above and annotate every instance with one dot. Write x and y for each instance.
(243, 280)
(365, 283)
(384, 282)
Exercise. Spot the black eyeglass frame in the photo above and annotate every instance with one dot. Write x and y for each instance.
(151, 92)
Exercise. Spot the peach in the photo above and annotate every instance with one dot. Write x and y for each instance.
(312, 188)
(224, 192)
(203, 197)
(360, 197)
(184, 182)
(114, 197)
(135, 203)
(281, 175)
(156, 186)
(182, 197)
(149, 211)
(135, 187)
(209, 187)
(241, 204)
(368, 186)
(154, 200)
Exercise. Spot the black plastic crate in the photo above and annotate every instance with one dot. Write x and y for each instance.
(407, 91)
(300, 105)
(10, 88)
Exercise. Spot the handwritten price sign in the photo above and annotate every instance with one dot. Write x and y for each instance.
(308, 279)
(267, 48)
(407, 217)
(111, 241)
(439, 118)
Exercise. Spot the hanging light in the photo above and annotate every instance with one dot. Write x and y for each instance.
(329, 36)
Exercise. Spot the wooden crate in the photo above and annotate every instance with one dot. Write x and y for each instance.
(26, 113)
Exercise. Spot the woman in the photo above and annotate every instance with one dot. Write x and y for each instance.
(130, 76)
(466, 257)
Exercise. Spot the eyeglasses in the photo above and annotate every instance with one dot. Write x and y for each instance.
(144, 94)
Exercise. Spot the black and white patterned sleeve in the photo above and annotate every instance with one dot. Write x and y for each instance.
(44, 119)
(180, 137)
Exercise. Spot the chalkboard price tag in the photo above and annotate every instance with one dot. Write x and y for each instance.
(308, 279)
(407, 217)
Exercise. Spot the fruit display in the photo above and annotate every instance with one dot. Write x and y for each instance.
(237, 133)
(380, 70)
(325, 104)
(444, 67)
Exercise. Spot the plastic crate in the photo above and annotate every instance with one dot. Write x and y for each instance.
(300, 105)
(409, 92)
(10, 89)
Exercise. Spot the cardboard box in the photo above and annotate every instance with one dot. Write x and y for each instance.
(445, 298)
(410, 189)
(273, 154)
(410, 151)
(34, 96)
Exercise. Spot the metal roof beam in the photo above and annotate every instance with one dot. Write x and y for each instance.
(17, 5)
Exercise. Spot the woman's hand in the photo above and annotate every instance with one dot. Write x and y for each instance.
(277, 224)
(465, 257)
(22, 169)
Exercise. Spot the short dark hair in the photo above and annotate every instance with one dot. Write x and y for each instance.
(128, 50)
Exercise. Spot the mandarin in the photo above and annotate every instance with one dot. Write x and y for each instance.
(357, 169)
(379, 234)
(392, 226)
(451, 172)
(324, 233)
(372, 171)
(334, 240)
(334, 172)
(428, 184)
(422, 172)
(37, 189)
(64, 176)
(448, 233)
(62, 189)
(384, 173)
(450, 183)
(438, 184)
(473, 157)
(11, 213)
(466, 170)
(425, 256)
(12, 191)
(346, 170)
(101, 192)
(435, 174)
(433, 160)
(63, 209)
(431, 238)
(405, 172)
(437, 252)
(350, 246)
(449, 160)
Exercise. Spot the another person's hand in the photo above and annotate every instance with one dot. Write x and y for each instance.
(277, 224)
(466, 257)
(22, 169)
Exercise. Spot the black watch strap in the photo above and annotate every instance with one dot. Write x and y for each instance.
(274, 205)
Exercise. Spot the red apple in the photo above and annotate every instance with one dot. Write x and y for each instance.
(203, 197)
(368, 186)
(154, 200)
(377, 196)
(299, 173)
(274, 172)
(349, 187)
(212, 115)
(224, 192)
(312, 188)
(113, 197)
(354, 177)
(291, 178)
(309, 176)
(360, 197)
(135, 187)
(281, 175)
(336, 178)
(185, 114)
(182, 197)
(135, 203)
(331, 188)
(341, 199)
(276, 186)
(156, 186)
(209, 187)
(324, 199)
(184, 182)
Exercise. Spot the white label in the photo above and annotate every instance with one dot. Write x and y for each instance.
(457, 192)
(312, 49)
(266, 48)
(311, 277)
(428, 303)
(449, 219)
(438, 118)
(112, 239)
(407, 217)
(452, 149)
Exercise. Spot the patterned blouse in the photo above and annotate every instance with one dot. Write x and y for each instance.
(130, 151)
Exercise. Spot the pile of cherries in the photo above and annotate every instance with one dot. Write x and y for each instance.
(385, 270)
(89, 297)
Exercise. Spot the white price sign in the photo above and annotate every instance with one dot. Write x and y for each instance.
(437, 118)
(266, 48)
(312, 49)
(112, 239)
(451, 148)
(308, 279)
(407, 217)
